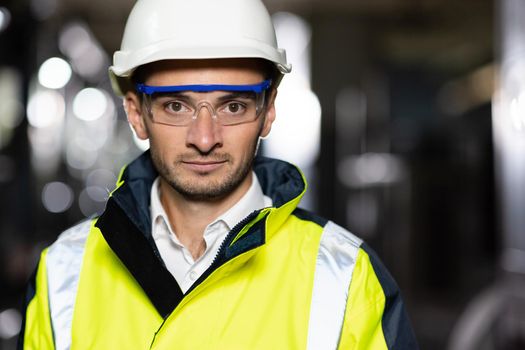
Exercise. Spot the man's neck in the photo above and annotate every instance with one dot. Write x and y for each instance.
(189, 218)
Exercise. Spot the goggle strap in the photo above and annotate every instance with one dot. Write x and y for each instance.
(256, 88)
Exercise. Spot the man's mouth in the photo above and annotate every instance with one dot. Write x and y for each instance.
(203, 166)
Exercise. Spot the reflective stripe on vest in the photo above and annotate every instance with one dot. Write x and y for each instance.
(64, 261)
(336, 259)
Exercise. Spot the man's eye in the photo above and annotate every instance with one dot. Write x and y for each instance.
(176, 107)
(234, 107)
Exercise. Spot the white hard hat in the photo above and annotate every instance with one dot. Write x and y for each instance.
(194, 29)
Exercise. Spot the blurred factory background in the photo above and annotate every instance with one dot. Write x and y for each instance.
(408, 118)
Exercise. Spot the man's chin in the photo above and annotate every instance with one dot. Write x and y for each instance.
(208, 194)
(204, 188)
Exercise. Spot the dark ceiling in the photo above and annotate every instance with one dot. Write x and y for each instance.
(442, 32)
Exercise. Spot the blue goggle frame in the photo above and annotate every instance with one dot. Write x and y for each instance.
(256, 88)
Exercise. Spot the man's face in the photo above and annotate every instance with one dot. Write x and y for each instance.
(203, 160)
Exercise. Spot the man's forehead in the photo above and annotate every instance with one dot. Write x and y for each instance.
(210, 71)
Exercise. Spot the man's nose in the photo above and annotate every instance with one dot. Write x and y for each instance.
(204, 132)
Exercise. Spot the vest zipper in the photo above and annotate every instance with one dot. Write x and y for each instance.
(214, 265)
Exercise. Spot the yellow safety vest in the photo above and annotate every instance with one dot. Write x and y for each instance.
(283, 279)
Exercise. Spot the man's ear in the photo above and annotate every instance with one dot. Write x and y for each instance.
(269, 114)
(133, 109)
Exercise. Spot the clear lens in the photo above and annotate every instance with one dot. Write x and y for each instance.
(226, 107)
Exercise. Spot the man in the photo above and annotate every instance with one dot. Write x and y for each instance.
(202, 245)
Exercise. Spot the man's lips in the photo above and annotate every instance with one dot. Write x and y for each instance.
(203, 165)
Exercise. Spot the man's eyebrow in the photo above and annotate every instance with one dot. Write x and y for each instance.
(237, 94)
(177, 94)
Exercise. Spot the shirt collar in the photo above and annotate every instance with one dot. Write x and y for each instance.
(253, 199)
(156, 208)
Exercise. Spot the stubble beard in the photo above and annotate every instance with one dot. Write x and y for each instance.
(205, 188)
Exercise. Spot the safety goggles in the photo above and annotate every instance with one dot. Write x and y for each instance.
(179, 105)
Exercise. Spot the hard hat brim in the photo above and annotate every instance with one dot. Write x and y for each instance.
(125, 63)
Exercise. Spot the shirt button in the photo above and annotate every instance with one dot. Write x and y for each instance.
(193, 275)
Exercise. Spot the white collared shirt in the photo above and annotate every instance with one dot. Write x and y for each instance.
(176, 256)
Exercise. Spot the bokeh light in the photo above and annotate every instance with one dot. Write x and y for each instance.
(5, 18)
(45, 108)
(57, 197)
(87, 56)
(102, 178)
(90, 104)
(79, 155)
(370, 169)
(304, 118)
(91, 201)
(54, 73)
(10, 323)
